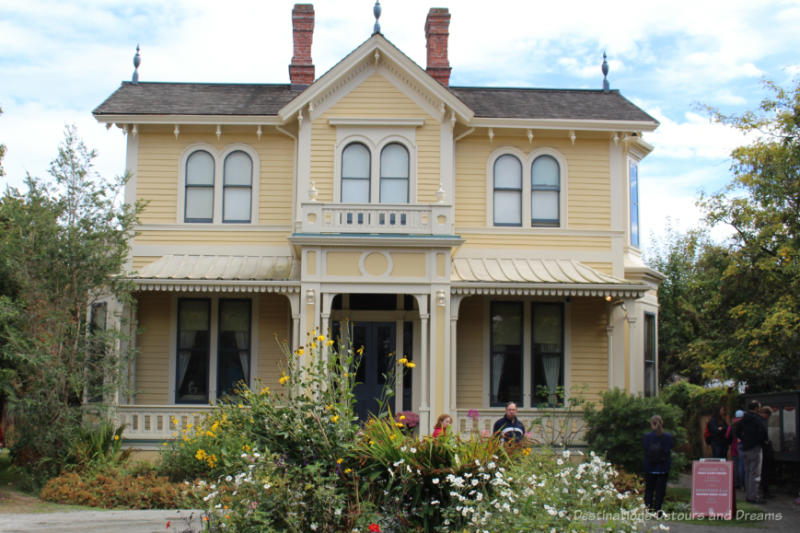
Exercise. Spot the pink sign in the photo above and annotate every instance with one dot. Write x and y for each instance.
(712, 489)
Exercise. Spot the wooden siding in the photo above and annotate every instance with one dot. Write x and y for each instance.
(588, 178)
(153, 342)
(469, 364)
(376, 97)
(213, 238)
(158, 173)
(532, 241)
(273, 319)
(589, 363)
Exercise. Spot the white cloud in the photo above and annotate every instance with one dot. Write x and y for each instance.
(697, 136)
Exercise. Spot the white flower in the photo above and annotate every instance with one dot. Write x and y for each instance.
(434, 502)
(413, 450)
(435, 481)
(398, 463)
(313, 526)
(228, 478)
(267, 486)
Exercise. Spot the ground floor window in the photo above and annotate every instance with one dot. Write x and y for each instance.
(545, 336)
(232, 331)
(649, 354)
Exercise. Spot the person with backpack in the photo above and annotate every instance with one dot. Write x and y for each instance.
(753, 433)
(717, 435)
(658, 446)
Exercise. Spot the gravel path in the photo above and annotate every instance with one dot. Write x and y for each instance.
(98, 522)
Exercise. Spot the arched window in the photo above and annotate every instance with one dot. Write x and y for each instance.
(507, 191)
(545, 191)
(394, 174)
(355, 174)
(199, 204)
(237, 187)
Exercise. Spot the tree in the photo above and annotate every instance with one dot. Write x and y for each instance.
(760, 284)
(62, 247)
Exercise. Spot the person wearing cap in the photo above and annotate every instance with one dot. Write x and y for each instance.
(753, 433)
(736, 452)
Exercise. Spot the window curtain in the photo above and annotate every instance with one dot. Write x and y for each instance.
(185, 355)
(243, 346)
(498, 362)
(552, 369)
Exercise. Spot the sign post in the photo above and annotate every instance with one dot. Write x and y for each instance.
(713, 495)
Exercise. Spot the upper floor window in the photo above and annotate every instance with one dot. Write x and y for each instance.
(374, 174)
(526, 190)
(545, 191)
(356, 174)
(394, 174)
(199, 203)
(507, 191)
(208, 199)
(237, 188)
(633, 171)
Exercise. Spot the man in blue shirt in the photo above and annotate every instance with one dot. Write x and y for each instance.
(509, 427)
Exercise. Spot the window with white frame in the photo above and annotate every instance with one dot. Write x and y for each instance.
(382, 175)
(547, 342)
(545, 191)
(526, 190)
(507, 191)
(650, 369)
(198, 363)
(633, 174)
(207, 199)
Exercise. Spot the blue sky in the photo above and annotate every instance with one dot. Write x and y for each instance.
(60, 59)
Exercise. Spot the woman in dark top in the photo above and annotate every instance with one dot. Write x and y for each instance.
(657, 460)
(718, 436)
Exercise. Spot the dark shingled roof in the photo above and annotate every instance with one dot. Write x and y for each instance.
(267, 99)
(578, 104)
(197, 99)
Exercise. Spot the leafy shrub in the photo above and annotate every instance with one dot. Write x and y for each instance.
(697, 402)
(97, 445)
(110, 489)
(617, 429)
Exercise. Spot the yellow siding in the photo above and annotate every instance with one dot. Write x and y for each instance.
(469, 365)
(152, 362)
(589, 365)
(157, 179)
(211, 238)
(588, 178)
(535, 242)
(376, 97)
(273, 319)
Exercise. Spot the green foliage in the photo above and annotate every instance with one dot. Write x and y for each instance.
(760, 284)
(616, 430)
(97, 446)
(696, 402)
(62, 246)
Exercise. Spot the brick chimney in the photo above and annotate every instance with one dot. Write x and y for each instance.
(301, 69)
(436, 33)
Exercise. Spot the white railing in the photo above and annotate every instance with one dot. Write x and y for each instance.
(157, 422)
(556, 427)
(414, 219)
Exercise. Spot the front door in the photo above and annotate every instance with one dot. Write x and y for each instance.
(376, 365)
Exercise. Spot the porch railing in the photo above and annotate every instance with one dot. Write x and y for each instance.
(556, 427)
(157, 423)
(414, 219)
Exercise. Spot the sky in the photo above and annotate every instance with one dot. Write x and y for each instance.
(60, 59)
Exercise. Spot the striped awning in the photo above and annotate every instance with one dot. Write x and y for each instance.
(226, 273)
(540, 277)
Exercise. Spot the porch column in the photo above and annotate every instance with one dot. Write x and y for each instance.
(635, 348)
(610, 344)
(424, 402)
(294, 309)
(455, 303)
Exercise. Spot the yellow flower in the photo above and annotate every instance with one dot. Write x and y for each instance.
(188, 426)
(239, 405)
(265, 390)
(335, 418)
(392, 437)
(284, 379)
(321, 338)
(116, 437)
(398, 424)
(210, 434)
(215, 426)
(339, 461)
(402, 361)
(371, 442)
(347, 470)
(360, 351)
(526, 452)
(300, 352)
(245, 448)
(174, 420)
(402, 417)
(330, 342)
(410, 365)
(200, 455)
(329, 407)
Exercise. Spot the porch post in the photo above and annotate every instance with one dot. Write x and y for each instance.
(635, 349)
(424, 405)
(455, 303)
(294, 308)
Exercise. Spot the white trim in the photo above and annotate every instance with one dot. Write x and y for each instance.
(211, 120)
(554, 289)
(565, 124)
(385, 274)
(510, 230)
(188, 285)
(526, 160)
(219, 156)
(377, 122)
(250, 250)
(436, 241)
(211, 226)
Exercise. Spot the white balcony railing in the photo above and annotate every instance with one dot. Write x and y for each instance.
(413, 219)
(556, 427)
(158, 422)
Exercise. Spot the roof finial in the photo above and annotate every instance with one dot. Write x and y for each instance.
(605, 73)
(376, 10)
(137, 60)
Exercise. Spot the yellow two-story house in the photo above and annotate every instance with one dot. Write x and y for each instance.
(488, 234)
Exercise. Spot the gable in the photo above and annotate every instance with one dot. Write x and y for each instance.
(376, 97)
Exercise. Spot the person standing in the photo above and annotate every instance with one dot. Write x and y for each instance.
(768, 455)
(719, 438)
(509, 428)
(658, 446)
(753, 433)
(736, 452)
